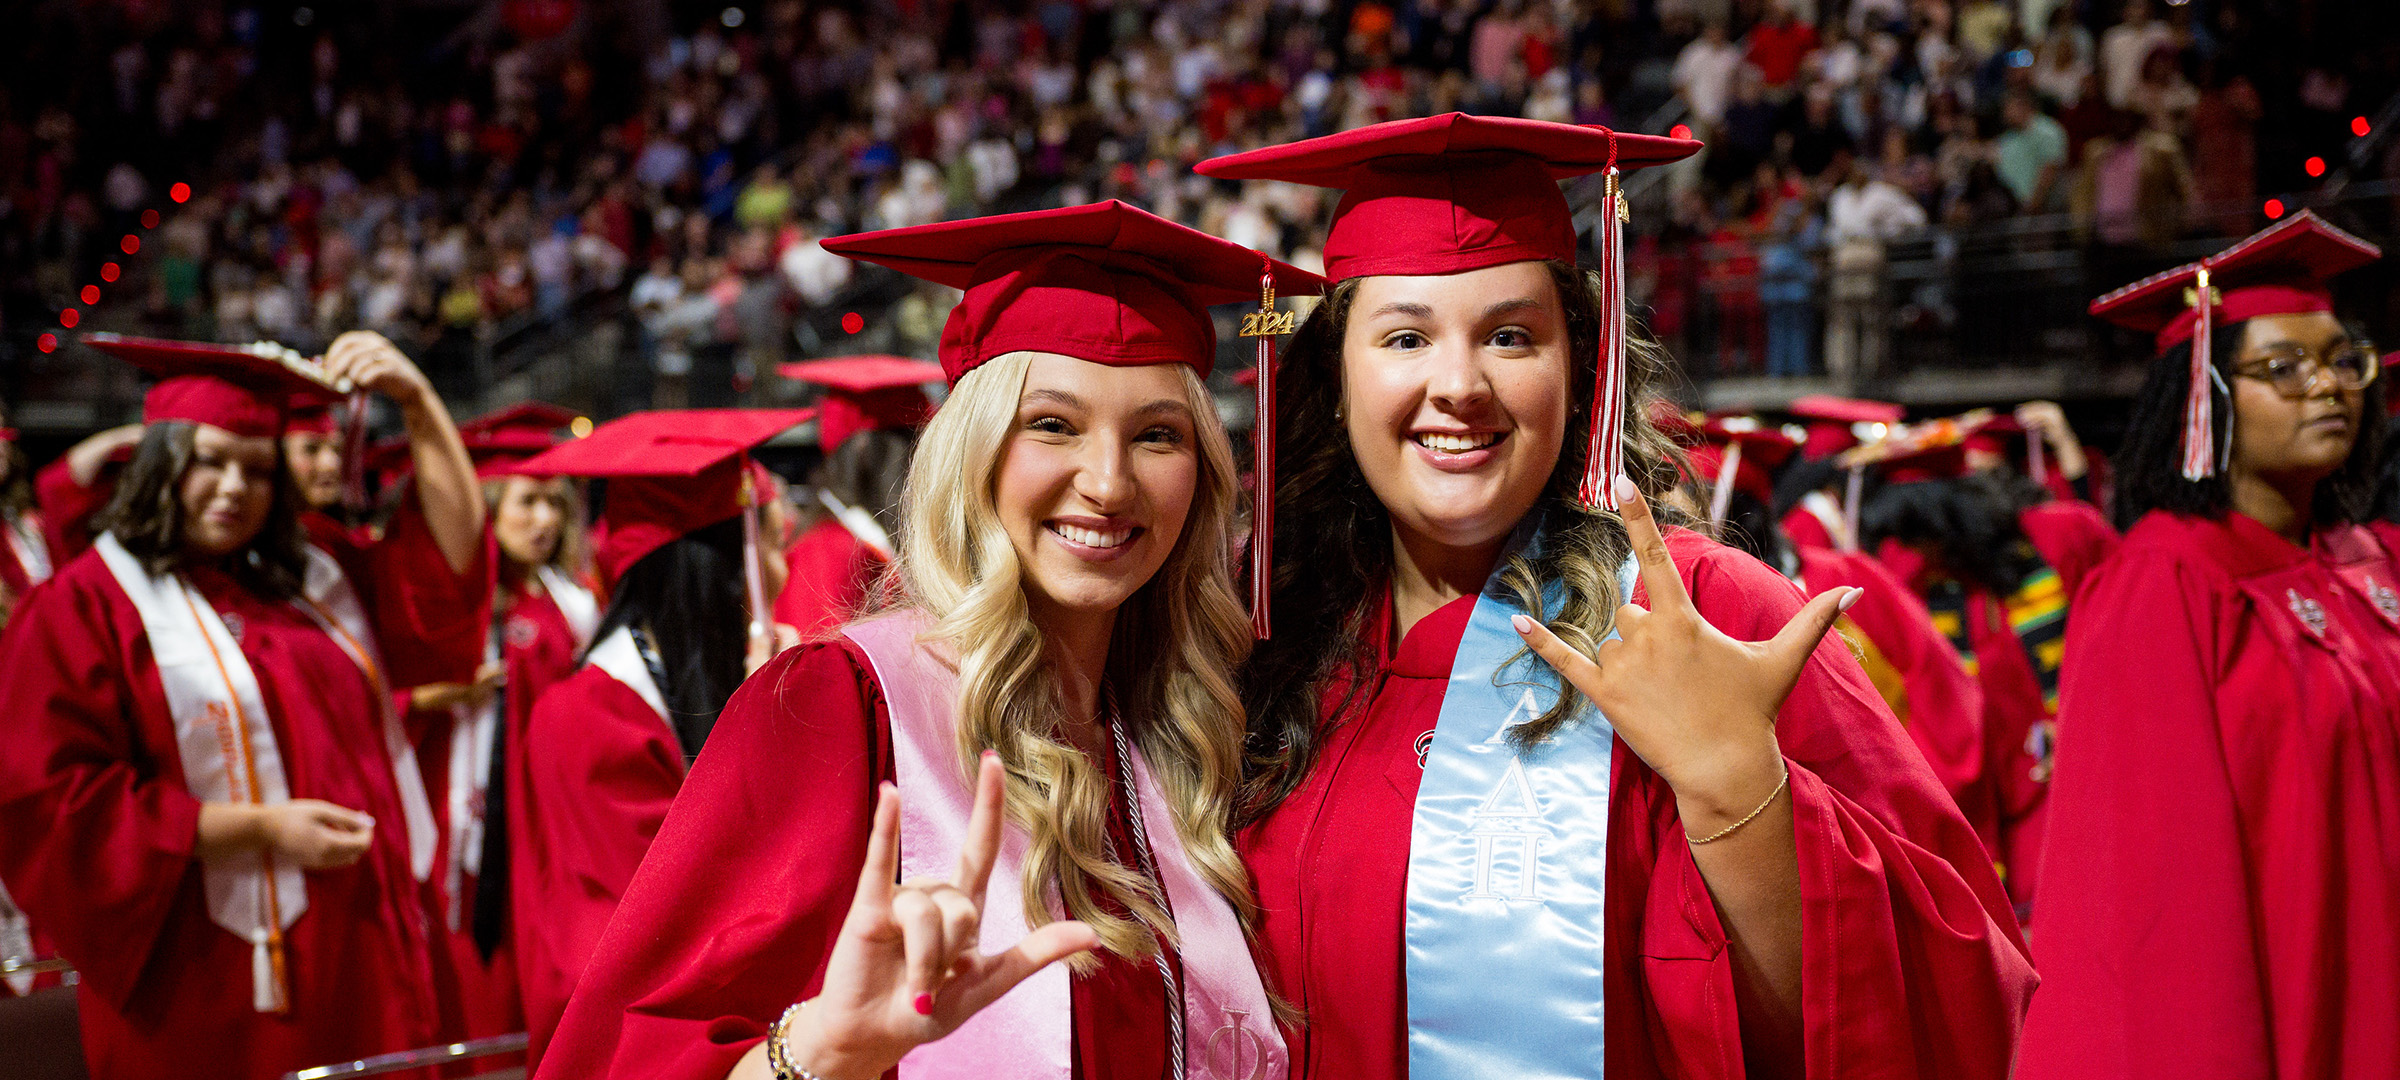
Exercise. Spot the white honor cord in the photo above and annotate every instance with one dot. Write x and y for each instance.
(1141, 847)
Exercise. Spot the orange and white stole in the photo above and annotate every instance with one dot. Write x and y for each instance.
(229, 754)
(326, 596)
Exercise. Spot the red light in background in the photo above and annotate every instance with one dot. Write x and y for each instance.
(149, 219)
(91, 294)
(2360, 127)
(179, 191)
(2314, 166)
(2274, 209)
(853, 322)
(130, 244)
(47, 342)
(109, 271)
(1680, 131)
(69, 318)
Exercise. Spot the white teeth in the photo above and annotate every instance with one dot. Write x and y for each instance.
(1093, 538)
(1457, 444)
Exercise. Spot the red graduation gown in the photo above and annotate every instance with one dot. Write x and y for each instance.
(1939, 703)
(482, 998)
(732, 916)
(599, 770)
(97, 831)
(2221, 892)
(831, 571)
(2008, 806)
(1912, 963)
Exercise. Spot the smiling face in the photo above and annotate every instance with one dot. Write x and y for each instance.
(1096, 477)
(226, 492)
(2292, 441)
(1454, 390)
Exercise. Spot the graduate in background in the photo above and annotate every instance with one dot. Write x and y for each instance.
(1998, 563)
(1912, 665)
(1815, 494)
(207, 799)
(470, 736)
(2221, 885)
(607, 747)
(866, 423)
(26, 557)
(1742, 864)
(1065, 608)
(312, 453)
(75, 486)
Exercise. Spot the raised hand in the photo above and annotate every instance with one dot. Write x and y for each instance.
(907, 967)
(1696, 705)
(371, 361)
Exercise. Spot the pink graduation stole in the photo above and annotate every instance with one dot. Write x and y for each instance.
(1029, 1033)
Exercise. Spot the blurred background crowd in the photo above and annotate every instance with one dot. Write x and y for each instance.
(614, 202)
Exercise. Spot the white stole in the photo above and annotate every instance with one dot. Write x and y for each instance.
(328, 598)
(229, 754)
(1029, 1033)
(621, 659)
(16, 941)
(474, 731)
(32, 552)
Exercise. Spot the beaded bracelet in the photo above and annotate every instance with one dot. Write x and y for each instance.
(1753, 816)
(779, 1056)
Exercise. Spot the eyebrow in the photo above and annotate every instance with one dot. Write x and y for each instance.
(1507, 306)
(1421, 311)
(1165, 407)
(1060, 398)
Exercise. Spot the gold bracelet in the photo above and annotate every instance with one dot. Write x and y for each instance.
(1753, 815)
(779, 1058)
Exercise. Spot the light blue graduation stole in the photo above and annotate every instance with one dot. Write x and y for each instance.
(1507, 856)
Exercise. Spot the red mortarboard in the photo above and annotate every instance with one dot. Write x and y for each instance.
(1833, 421)
(1452, 193)
(2279, 270)
(1933, 450)
(310, 413)
(525, 416)
(244, 389)
(1102, 282)
(1739, 453)
(1669, 418)
(864, 393)
(504, 439)
(670, 473)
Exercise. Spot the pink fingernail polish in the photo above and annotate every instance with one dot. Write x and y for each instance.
(924, 1004)
(1523, 624)
(1625, 489)
(1849, 598)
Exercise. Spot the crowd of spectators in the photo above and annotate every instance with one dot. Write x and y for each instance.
(446, 187)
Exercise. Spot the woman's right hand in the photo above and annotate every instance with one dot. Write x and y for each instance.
(311, 834)
(908, 967)
(316, 835)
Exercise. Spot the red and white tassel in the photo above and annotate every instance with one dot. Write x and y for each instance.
(1262, 469)
(354, 452)
(754, 576)
(1604, 457)
(2037, 460)
(1720, 498)
(2199, 404)
(1853, 492)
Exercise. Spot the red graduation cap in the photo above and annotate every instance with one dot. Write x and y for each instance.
(309, 413)
(2279, 270)
(1933, 450)
(1833, 422)
(501, 440)
(865, 393)
(1739, 453)
(670, 473)
(1453, 193)
(1102, 282)
(523, 416)
(244, 389)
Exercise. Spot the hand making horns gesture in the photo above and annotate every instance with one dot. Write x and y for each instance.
(1698, 706)
(907, 967)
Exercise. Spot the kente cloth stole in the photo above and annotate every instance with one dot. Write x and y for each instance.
(1029, 1033)
(1508, 859)
(2036, 613)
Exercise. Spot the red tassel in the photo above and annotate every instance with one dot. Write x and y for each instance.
(354, 452)
(2199, 404)
(1262, 470)
(1851, 495)
(1604, 457)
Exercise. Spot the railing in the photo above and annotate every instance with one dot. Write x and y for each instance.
(46, 965)
(404, 1060)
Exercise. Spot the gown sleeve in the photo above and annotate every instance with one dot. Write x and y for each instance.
(2145, 856)
(734, 911)
(95, 838)
(68, 507)
(1912, 964)
(430, 620)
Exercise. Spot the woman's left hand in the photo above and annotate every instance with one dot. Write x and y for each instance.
(371, 362)
(1696, 705)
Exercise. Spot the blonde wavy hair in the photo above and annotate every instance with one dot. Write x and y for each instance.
(1171, 660)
